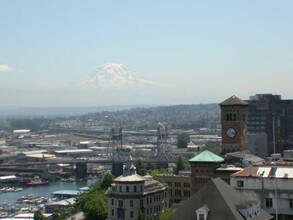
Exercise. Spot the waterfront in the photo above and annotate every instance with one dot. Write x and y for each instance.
(44, 191)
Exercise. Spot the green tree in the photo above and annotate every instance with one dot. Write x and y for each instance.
(94, 203)
(140, 168)
(95, 206)
(155, 173)
(106, 181)
(166, 214)
(214, 147)
(38, 215)
(180, 165)
(64, 213)
(182, 140)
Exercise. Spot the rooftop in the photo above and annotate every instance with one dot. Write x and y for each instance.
(233, 100)
(129, 174)
(265, 171)
(73, 151)
(220, 201)
(66, 192)
(207, 156)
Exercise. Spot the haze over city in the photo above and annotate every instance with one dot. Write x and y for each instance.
(96, 53)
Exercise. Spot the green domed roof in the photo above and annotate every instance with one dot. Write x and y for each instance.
(207, 156)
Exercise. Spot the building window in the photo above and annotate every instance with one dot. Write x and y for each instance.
(121, 213)
(177, 192)
(112, 212)
(240, 183)
(234, 117)
(120, 188)
(131, 214)
(131, 203)
(186, 193)
(112, 201)
(186, 185)
(134, 188)
(291, 203)
(231, 117)
(127, 188)
(140, 188)
(141, 203)
(201, 217)
(120, 203)
(269, 202)
(177, 184)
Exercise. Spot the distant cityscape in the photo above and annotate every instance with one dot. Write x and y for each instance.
(238, 146)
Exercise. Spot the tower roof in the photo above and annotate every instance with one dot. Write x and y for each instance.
(207, 156)
(129, 173)
(234, 100)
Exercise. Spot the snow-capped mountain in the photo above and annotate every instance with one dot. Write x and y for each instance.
(115, 76)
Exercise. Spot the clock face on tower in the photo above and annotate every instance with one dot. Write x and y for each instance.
(231, 132)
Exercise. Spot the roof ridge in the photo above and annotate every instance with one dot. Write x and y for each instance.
(233, 100)
(206, 156)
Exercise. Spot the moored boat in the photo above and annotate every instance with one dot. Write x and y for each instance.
(10, 189)
(37, 182)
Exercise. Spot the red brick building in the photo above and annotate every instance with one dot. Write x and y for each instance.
(234, 125)
(203, 167)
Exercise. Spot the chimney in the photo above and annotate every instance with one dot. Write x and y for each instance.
(250, 168)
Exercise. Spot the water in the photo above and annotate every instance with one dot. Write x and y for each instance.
(44, 191)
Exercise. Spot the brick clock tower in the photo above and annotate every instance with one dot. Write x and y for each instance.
(234, 125)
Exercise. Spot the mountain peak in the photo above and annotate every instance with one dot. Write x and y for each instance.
(115, 76)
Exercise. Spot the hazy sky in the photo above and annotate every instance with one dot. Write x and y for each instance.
(208, 50)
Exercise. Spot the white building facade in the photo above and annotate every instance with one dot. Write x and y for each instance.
(133, 196)
(263, 184)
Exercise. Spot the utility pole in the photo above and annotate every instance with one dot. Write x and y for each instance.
(275, 167)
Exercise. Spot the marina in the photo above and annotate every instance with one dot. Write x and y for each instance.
(16, 200)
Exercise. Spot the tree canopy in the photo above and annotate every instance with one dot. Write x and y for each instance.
(38, 215)
(140, 168)
(155, 173)
(180, 165)
(182, 140)
(106, 181)
(214, 147)
(94, 203)
(166, 214)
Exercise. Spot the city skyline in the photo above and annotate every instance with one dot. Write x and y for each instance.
(201, 51)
